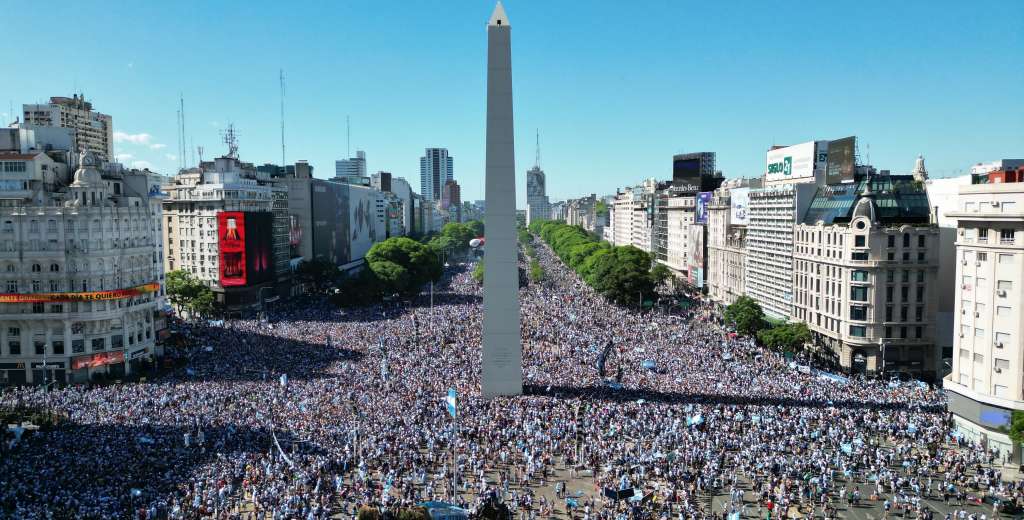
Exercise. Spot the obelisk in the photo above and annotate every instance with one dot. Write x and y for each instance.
(502, 347)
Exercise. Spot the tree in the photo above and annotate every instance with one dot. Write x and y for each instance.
(478, 272)
(746, 315)
(476, 228)
(788, 337)
(319, 272)
(536, 271)
(188, 293)
(460, 234)
(368, 513)
(419, 261)
(1017, 427)
(659, 274)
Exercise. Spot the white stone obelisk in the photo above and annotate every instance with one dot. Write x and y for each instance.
(502, 348)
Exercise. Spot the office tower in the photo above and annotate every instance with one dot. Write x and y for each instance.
(502, 348)
(93, 131)
(436, 168)
(352, 170)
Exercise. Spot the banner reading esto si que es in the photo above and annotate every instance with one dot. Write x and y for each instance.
(80, 296)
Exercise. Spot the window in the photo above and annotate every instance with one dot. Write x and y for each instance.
(859, 255)
(890, 276)
(888, 294)
(903, 313)
(1005, 236)
(905, 278)
(54, 268)
(906, 239)
(35, 286)
(979, 333)
(38, 308)
(903, 333)
(57, 307)
(888, 313)
(1002, 364)
(859, 294)
(983, 234)
(982, 283)
(892, 240)
(919, 313)
(858, 312)
(965, 354)
(906, 256)
(920, 240)
(920, 257)
(14, 347)
(36, 268)
(97, 344)
(857, 331)
(40, 347)
(999, 390)
(859, 276)
(77, 346)
(1002, 338)
(920, 293)
(978, 359)
(918, 332)
(12, 286)
(58, 347)
(1002, 311)
(904, 293)
(1004, 285)
(859, 241)
(1005, 258)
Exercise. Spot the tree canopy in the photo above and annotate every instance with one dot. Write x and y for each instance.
(788, 337)
(190, 294)
(746, 315)
(622, 274)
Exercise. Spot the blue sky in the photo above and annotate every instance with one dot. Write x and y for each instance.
(615, 88)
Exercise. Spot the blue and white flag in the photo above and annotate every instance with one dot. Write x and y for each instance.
(450, 402)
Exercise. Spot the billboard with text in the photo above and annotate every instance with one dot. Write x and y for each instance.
(790, 162)
(841, 160)
(244, 241)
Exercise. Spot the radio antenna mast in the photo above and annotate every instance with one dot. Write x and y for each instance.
(536, 161)
(184, 142)
(348, 140)
(282, 118)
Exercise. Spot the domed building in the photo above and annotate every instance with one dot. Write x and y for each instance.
(80, 268)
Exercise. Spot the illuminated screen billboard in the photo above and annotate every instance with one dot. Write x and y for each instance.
(245, 244)
(840, 160)
(331, 222)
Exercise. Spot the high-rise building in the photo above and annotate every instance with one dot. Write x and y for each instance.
(82, 274)
(381, 181)
(352, 170)
(229, 225)
(987, 383)
(502, 371)
(436, 168)
(451, 200)
(865, 263)
(728, 216)
(92, 131)
(792, 174)
(537, 205)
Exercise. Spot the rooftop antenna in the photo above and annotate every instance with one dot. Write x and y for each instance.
(184, 142)
(536, 161)
(231, 139)
(181, 164)
(282, 118)
(200, 150)
(348, 143)
(192, 149)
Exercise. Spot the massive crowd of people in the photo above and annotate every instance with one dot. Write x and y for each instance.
(626, 414)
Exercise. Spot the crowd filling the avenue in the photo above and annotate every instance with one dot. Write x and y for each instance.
(626, 414)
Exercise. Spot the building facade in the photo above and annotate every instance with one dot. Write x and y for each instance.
(352, 170)
(987, 382)
(727, 252)
(436, 168)
(227, 201)
(81, 270)
(865, 264)
(91, 130)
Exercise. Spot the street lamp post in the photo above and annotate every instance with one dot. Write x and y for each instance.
(263, 302)
(881, 348)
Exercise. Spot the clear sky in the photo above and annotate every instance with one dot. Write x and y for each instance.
(615, 87)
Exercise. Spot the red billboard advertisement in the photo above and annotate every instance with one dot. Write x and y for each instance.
(231, 241)
(90, 296)
(97, 360)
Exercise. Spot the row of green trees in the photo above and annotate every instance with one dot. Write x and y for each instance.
(623, 274)
(747, 316)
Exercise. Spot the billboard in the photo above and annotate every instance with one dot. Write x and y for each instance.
(840, 160)
(686, 173)
(294, 236)
(330, 222)
(695, 257)
(791, 162)
(820, 158)
(245, 247)
(259, 247)
(739, 206)
(701, 210)
(366, 225)
(97, 360)
(90, 296)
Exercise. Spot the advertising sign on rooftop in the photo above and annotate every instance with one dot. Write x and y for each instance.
(739, 206)
(791, 162)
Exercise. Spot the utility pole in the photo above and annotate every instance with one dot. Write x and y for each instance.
(283, 163)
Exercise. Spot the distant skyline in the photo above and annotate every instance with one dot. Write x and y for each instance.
(615, 89)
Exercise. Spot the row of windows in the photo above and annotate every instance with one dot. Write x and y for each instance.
(70, 226)
(13, 166)
(860, 331)
(14, 347)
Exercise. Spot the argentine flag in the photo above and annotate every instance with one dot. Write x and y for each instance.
(450, 401)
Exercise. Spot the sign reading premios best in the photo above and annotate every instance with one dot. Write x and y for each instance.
(791, 162)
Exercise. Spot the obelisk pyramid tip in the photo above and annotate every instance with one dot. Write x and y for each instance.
(498, 17)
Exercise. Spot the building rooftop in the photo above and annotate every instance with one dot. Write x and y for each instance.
(897, 199)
